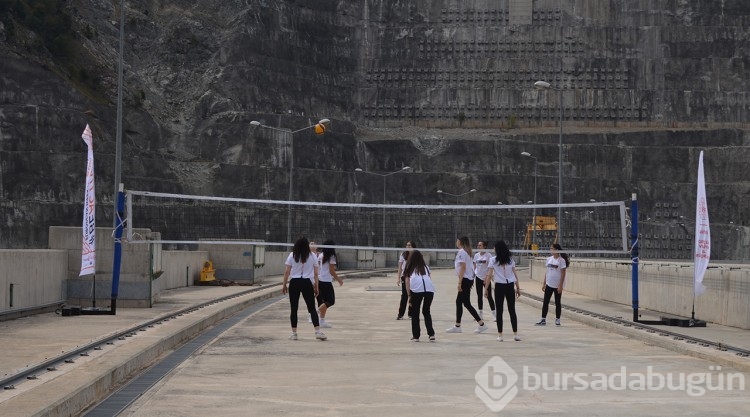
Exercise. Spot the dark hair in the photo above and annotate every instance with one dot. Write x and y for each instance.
(484, 242)
(328, 253)
(301, 250)
(465, 243)
(415, 263)
(406, 252)
(502, 253)
(562, 254)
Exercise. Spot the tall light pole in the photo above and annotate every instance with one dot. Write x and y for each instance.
(543, 85)
(320, 128)
(118, 138)
(404, 169)
(473, 190)
(533, 210)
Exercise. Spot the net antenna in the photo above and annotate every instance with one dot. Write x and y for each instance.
(592, 228)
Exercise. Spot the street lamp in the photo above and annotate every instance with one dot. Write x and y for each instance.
(533, 211)
(473, 190)
(320, 128)
(404, 169)
(543, 85)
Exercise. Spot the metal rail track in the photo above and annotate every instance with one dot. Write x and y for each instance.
(651, 329)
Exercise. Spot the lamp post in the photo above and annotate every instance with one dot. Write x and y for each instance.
(473, 190)
(118, 137)
(404, 169)
(543, 85)
(533, 210)
(320, 128)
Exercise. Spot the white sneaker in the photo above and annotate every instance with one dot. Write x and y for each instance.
(499, 339)
(481, 329)
(321, 336)
(454, 329)
(414, 339)
(542, 322)
(494, 315)
(557, 322)
(481, 314)
(293, 336)
(517, 338)
(324, 324)
(309, 318)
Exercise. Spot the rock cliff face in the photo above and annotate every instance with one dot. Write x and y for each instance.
(445, 87)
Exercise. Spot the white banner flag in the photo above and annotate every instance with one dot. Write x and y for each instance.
(88, 249)
(702, 232)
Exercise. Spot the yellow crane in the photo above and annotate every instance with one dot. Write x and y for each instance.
(541, 224)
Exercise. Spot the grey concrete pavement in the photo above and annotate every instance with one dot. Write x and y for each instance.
(369, 367)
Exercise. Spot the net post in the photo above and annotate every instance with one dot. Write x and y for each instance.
(128, 216)
(634, 253)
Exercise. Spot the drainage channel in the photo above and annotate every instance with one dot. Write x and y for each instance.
(54, 363)
(122, 398)
(650, 329)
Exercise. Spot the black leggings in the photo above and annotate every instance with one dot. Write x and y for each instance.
(463, 299)
(404, 300)
(305, 287)
(416, 301)
(480, 294)
(548, 291)
(505, 292)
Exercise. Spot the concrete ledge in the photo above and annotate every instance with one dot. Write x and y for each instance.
(71, 392)
(654, 339)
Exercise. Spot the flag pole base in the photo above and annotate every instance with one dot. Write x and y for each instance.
(683, 322)
(94, 311)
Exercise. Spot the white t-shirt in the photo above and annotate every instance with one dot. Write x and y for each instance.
(502, 274)
(463, 258)
(325, 271)
(554, 271)
(302, 270)
(481, 261)
(421, 283)
(401, 263)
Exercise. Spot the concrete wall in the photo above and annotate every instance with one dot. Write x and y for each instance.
(135, 278)
(35, 277)
(180, 269)
(663, 287)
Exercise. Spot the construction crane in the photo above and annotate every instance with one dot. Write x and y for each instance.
(542, 224)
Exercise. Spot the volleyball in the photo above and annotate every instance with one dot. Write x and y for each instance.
(320, 128)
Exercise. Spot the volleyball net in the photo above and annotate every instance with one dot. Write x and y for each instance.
(593, 228)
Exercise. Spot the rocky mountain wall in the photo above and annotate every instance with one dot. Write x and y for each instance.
(445, 87)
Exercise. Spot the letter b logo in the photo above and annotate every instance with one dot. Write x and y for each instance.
(496, 384)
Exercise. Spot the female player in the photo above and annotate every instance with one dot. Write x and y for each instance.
(400, 281)
(326, 295)
(481, 263)
(465, 281)
(554, 279)
(420, 288)
(507, 288)
(302, 267)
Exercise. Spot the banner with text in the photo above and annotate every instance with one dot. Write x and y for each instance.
(88, 249)
(702, 232)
